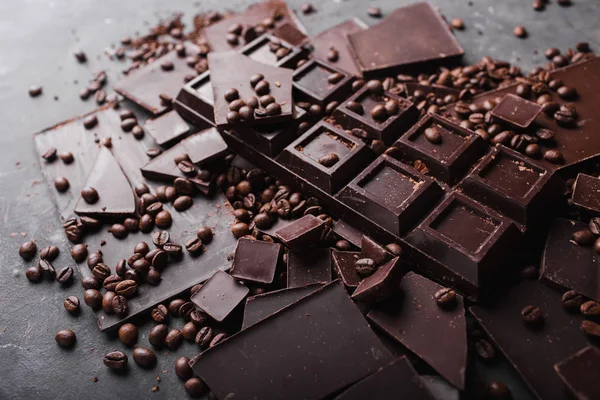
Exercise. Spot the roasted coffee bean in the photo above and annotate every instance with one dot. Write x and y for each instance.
(554, 156)
(137, 132)
(183, 369)
(90, 282)
(132, 275)
(533, 150)
(132, 224)
(485, 350)
(198, 318)
(597, 246)
(173, 249)
(185, 310)
(133, 258)
(194, 245)
(90, 224)
(154, 208)
(498, 390)
(218, 338)
(195, 387)
(187, 168)
(343, 245)
(61, 184)
(107, 302)
(335, 78)
(445, 298)
(144, 357)
(590, 328)
(391, 107)
(128, 334)
(329, 160)
(262, 88)
(189, 331)
(566, 115)
(433, 135)
(126, 288)
(141, 248)
(158, 335)
(101, 271)
(47, 269)
(195, 289)
(375, 86)
(90, 195)
(240, 229)
(66, 157)
(520, 32)
(174, 339)
(262, 221)
(94, 259)
(160, 313)
(231, 95)
(567, 92)
(163, 220)
(71, 304)
(65, 275)
(590, 308)
(34, 274)
(174, 306)
(544, 134)
(111, 282)
(394, 249)
(583, 237)
(120, 306)
(65, 338)
(146, 223)
(116, 360)
(204, 336)
(160, 260)
(93, 298)
(273, 109)
(49, 253)
(365, 267)
(119, 231)
(205, 234)
(183, 203)
(50, 154)
(141, 266)
(532, 315)
(594, 226)
(355, 107)
(153, 277)
(28, 250)
(160, 238)
(379, 112)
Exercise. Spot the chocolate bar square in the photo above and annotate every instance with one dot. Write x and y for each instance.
(312, 83)
(391, 194)
(516, 111)
(195, 101)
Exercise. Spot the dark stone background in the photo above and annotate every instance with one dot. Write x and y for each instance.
(37, 41)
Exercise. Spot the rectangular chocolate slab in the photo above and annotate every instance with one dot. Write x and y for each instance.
(194, 102)
(144, 85)
(586, 193)
(167, 129)
(260, 362)
(392, 194)
(533, 352)
(516, 111)
(307, 267)
(581, 373)
(408, 37)
(255, 261)
(219, 295)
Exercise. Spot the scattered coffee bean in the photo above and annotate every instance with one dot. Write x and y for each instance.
(144, 357)
(49, 253)
(35, 90)
(374, 86)
(520, 32)
(195, 387)
(119, 305)
(554, 156)
(111, 282)
(189, 331)
(119, 231)
(374, 12)
(160, 238)
(183, 369)
(71, 304)
(28, 250)
(590, 328)
(47, 269)
(65, 338)
(107, 302)
(158, 335)
(445, 298)
(65, 275)
(160, 313)
(365, 267)
(163, 220)
(183, 203)
(590, 308)
(307, 8)
(485, 350)
(93, 298)
(34, 274)
(583, 237)
(61, 184)
(262, 88)
(66, 157)
(532, 315)
(90, 282)
(116, 360)
(218, 338)
(379, 112)
(457, 23)
(128, 334)
(204, 337)
(126, 288)
(174, 339)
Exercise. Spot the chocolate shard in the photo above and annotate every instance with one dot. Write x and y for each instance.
(374, 251)
(344, 267)
(582, 261)
(312, 83)
(586, 193)
(115, 196)
(397, 380)
(516, 111)
(580, 372)
(534, 351)
(261, 306)
(167, 129)
(195, 101)
(437, 335)
(301, 233)
(290, 33)
(260, 362)
(307, 267)
(255, 261)
(394, 39)
(381, 284)
(219, 296)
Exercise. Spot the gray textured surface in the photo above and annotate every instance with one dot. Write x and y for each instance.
(37, 40)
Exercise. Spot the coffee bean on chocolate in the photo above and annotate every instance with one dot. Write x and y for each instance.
(128, 124)
(128, 334)
(379, 112)
(255, 79)
(218, 338)
(329, 160)
(566, 114)
(90, 121)
(365, 267)
(590, 328)
(554, 156)
(101, 271)
(119, 305)
(93, 298)
(61, 184)
(485, 350)
(532, 316)
(247, 113)
(544, 134)
(273, 109)
(533, 150)
(334, 78)
(34, 274)
(262, 88)
(185, 310)
(141, 266)
(126, 288)
(183, 369)
(65, 275)
(590, 308)
(445, 298)
(343, 245)
(144, 357)
(163, 220)
(583, 237)
(391, 107)
(433, 134)
(65, 338)
(66, 157)
(375, 86)
(594, 225)
(116, 360)
(28, 250)
(567, 92)
(90, 195)
(126, 114)
(174, 339)
(231, 95)
(195, 387)
(107, 302)
(205, 234)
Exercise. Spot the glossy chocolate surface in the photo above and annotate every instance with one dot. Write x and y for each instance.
(167, 129)
(195, 101)
(255, 261)
(430, 41)
(344, 267)
(311, 83)
(436, 335)
(516, 111)
(586, 193)
(581, 373)
(307, 267)
(381, 285)
(300, 233)
(219, 295)
(260, 362)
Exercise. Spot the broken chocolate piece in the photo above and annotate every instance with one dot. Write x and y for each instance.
(303, 232)
(516, 111)
(581, 373)
(344, 266)
(167, 129)
(381, 284)
(255, 261)
(219, 295)
(586, 193)
(308, 267)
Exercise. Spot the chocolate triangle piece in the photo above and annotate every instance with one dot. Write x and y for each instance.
(581, 373)
(371, 249)
(115, 196)
(381, 284)
(437, 335)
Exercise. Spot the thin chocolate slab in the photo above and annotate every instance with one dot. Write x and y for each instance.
(232, 70)
(566, 264)
(255, 261)
(391, 194)
(581, 373)
(335, 38)
(115, 195)
(290, 33)
(307, 267)
(467, 245)
(314, 82)
(397, 380)
(514, 185)
(194, 102)
(302, 156)
(387, 129)
(219, 295)
(408, 37)
(167, 129)
(586, 193)
(301, 233)
(437, 335)
(381, 284)
(447, 159)
(516, 111)
(261, 362)
(533, 352)
(261, 306)
(144, 85)
(257, 14)
(344, 267)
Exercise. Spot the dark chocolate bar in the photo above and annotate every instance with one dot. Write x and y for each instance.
(255, 261)
(344, 266)
(320, 83)
(167, 129)
(381, 284)
(586, 193)
(307, 267)
(195, 101)
(516, 111)
(581, 373)
(219, 295)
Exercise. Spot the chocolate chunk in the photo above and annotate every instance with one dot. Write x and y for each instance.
(219, 295)
(516, 111)
(580, 373)
(308, 267)
(303, 232)
(255, 261)
(167, 129)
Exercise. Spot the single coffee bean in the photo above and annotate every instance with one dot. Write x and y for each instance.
(567, 92)
(520, 32)
(94, 259)
(50, 154)
(174, 307)
(329, 160)
(572, 300)
(159, 259)
(198, 318)
(116, 360)
(183, 369)
(128, 334)
(107, 302)
(445, 298)
(49, 253)
(131, 224)
(433, 135)
(355, 107)
(391, 107)
(194, 246)
(554, 156)
(93, 298)
(218, 338)
(47, 269)
(157, 335)
(185, 310)
(273, 109)
(365, 267)
(532, 315)
(90, 282)
(195, 387)
(71, 304)
(262, 88)
(189, 331)
(240, 229)
(111, 282)
(343, 245)
(254, 79)
(65, 275)
(499, 391)
(172, 249)
(34, 274)
(315, 110)
(375, 86)
(204, 336)
(247, 113)
(90, 195)
(119, 305)
(379, 113)
(160, 238)
(91, 224)
(119, 231)
(231, 95)
(183, 203)
(160, 313)
(146, 223)
(126, 288)
(66, 338)
(144, 357)
(101, 271)
(174, 339)
(583, 237)
(485, 350)
(61, 184)
(141, 248)
(594, 226)
(394, 249)
(590, 328)
(27, 250)
(590, 308)
(335, 78)
(545, 134)
(163, 220)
